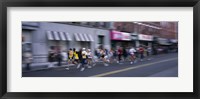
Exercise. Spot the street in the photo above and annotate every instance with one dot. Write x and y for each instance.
(164, 65)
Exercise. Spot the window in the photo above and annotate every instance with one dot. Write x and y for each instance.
(101, 40)
(27, 47)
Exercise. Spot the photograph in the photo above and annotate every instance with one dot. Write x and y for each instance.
(99, 48)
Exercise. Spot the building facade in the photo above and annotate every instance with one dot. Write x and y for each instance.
(149, 33)
(58, 36)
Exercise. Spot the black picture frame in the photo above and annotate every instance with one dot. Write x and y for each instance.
(98, 3)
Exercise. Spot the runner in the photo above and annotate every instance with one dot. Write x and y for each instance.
(119, 52)
(89, 58)
(103, 54)
(149, 52)
(111, 56)
(84, 59)
(141, 51)
(80, 58)
(70, 56)
(132, 55)
(64, 58)
(75, 56)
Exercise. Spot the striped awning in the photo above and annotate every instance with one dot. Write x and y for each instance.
(54, 35)
(83, 37)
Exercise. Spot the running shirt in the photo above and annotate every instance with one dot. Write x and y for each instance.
(84, 53)
(76, 55)
(119, 51)
(132, 51)
(102, 53)
(141, 50)
(89, 54)
(70, 54)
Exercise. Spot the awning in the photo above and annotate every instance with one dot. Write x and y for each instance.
(77, 37)
(50, 35)
(54, 35)
(90, 38)
(86, 37)
(163, 41)
(83, 37)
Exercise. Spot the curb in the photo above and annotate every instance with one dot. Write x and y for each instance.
(54, 67)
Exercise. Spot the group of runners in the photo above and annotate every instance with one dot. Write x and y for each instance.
(84, 58)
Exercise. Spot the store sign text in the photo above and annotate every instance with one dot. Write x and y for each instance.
(145, 37)
(116, 35)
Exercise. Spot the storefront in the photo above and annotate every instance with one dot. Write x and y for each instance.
(58, 40)
(83, 40)
(163, 42)
(28, 30)
(121, 39)
(55, 36)
(145, 40)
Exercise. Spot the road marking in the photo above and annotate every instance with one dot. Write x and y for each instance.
(130, 68)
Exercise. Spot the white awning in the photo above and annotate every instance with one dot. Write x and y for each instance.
(86, 37)
(81, 37)
(90, 37)
(77, 37)
(49, 35)
(62, 36)
(54, 35)
(67, 36)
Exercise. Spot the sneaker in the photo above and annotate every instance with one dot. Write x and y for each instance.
(94, 64)
(82, 69)
(117, 61)
(67, 68)
(131, 62)
(78, 66)
(89, 66)
(105, 64)
(149, 59)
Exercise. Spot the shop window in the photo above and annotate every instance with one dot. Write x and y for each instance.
(27, 47)
(118, 28)
(101, 40)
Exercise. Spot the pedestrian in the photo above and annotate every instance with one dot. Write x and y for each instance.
(70, 56)
(149, 52)
(84, 59)
(141, 51)
(119, 52)
(115, 55)
(125, 54)
(103, 58)
(28, 59)
(51, 58)
(59, 58)
(80, 58)
(89, 58)
(111, 56)
(64, 58)
(75, 56)
(132, 55)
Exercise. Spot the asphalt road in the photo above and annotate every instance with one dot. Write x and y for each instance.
(165, 65)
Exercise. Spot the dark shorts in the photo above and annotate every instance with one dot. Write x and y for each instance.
(76, 60)
(84, 61)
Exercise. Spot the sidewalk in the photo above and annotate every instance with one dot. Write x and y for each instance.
(43, 66)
